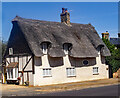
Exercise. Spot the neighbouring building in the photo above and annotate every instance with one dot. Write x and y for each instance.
(45, 52)
(116, 41)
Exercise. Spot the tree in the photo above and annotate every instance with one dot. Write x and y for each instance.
(3, 45)
(114, 59)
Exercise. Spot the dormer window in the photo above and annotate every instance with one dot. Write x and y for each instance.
(99, 48)
(45, 46)
(10, 51)
(67, 47)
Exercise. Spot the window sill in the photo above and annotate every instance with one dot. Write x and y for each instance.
(70, 76)
(12, 79)
(46, 76)
(96, 74)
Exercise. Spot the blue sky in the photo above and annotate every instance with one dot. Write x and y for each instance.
(102, 15)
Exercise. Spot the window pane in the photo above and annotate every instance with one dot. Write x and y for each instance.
(85, 62)
(11, 73)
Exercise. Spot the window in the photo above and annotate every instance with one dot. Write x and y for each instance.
(47, 72)
(10, 73)
(95, 70)
(70, 71)
(45, 45)
(10, 51)
(85, 62)
(67, 47)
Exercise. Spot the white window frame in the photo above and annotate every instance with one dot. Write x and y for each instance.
(47, 72)
(71, 72)
(8, 73)
(10, 51)
(95, 70)
(16, 72)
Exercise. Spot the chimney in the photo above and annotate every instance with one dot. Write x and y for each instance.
(105, 35)
(118, 35)
(65, 16)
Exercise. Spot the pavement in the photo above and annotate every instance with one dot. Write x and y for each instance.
(111, 90)
(17, 90)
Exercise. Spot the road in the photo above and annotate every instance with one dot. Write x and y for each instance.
(98, 91)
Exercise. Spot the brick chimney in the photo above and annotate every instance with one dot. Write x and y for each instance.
(105, 35)
(65, 16)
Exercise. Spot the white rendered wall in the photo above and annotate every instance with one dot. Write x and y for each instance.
(59, 73)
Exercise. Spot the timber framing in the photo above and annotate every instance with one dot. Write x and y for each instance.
(33, 64)
(25, 71)
(27, 63)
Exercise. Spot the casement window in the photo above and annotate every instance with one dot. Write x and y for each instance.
(95, 70)
(47, 72)
(85, 62)
(10, 73)
(67, 47)
(70, 72)
(10, 51)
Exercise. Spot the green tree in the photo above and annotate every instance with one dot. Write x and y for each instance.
(114, 59)
(3, 45)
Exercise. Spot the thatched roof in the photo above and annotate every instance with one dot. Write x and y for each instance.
(83, 37)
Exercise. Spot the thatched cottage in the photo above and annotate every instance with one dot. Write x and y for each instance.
(44, 52)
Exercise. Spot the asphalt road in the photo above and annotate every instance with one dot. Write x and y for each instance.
(99, 91)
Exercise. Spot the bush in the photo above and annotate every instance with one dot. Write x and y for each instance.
(114, 59)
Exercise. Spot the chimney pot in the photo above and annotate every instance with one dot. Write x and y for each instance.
(106, 31)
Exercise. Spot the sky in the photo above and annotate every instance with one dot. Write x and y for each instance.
(102, 15)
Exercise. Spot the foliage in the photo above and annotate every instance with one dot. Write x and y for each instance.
(3, 45)
(114, 59)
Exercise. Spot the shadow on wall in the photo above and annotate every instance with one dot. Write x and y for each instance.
(75, 62)
(78, 62)
(38, 61)
(102, 59)
(55, 61)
